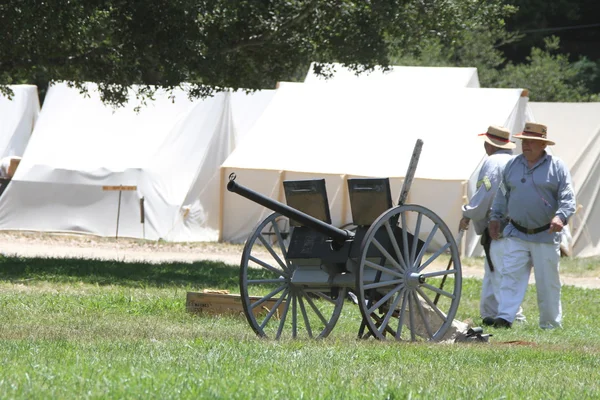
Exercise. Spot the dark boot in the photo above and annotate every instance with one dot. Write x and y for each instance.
(502, 323)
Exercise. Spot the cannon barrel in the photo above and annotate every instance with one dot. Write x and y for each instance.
(339, 235)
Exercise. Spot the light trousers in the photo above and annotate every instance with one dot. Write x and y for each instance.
(519, 257)
(490, 287)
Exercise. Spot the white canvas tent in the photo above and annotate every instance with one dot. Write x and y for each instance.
(437, 77)
(82, 150)
(320, 131)
(575, 127)
(17, 119)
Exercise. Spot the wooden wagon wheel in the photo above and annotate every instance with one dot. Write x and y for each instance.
(398, 278)
(274, 307)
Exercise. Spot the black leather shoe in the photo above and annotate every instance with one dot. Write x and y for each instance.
(502, 323)
(488, 321)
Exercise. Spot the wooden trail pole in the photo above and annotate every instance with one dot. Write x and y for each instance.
(410, 173)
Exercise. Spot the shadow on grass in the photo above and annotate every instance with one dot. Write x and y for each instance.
(203, 274)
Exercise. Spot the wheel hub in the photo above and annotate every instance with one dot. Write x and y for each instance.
(414, 279)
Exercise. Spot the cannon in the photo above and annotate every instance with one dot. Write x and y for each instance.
(400, 263)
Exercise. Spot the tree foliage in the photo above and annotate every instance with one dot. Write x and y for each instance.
(214, 44)
(549, 76)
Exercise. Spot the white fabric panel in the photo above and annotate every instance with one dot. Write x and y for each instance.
(18, 116)
(575, 127)
(424, 77)
(198, 216)
(80, 145)
(327, 131)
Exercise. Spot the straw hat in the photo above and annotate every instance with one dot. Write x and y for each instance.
(498, 136)
(536, 132)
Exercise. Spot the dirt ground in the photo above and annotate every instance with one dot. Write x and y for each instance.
(33, 244)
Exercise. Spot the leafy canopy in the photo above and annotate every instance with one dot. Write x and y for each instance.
(216, 44)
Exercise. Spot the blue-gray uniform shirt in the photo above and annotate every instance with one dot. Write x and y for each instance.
(532, 197)
(488, 180)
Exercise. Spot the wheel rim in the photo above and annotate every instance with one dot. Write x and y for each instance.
(274, 307)
(405, 289)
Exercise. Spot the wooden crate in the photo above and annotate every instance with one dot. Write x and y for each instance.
(217, 303)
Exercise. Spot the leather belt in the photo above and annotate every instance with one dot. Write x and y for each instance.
(528, 230)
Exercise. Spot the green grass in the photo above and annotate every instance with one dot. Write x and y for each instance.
(101, 329)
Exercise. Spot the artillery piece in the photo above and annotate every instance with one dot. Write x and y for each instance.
(387, 264)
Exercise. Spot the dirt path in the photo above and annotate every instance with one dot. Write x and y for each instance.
(85, 247)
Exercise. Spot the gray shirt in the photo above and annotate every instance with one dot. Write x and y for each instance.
(488, 180)
(532, 197)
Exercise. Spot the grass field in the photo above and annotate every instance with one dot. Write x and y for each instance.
(101, 329)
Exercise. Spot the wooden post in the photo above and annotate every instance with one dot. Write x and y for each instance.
(345, 199)
(221, 200)
(119, 188)
(143, 217)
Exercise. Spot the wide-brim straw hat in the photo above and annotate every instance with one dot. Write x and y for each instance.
(498, 136)
(535, 131)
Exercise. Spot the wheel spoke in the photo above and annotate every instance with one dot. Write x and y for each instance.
(411, 318)
(404, 294)
(426, 245)
(269, 267)
(389, 313)
(294, 316)
(388, 256)
(274, 309)
(434, 256)
(383, 284)
(405, 238)
(379, 322)
(383, 269)
(439, 273)
(273, 254)
(305, 316)
(315, 309)
(280, 241)
(283, 316)
(413, 252)
(392, 238)
(432, 305)
(438, 290)
(267, 297)
(384, 299)
(422, 313)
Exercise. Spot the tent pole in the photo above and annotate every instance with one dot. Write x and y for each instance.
(118, 213)
(280, 196)
(143, 217)
(221, 200)
(345, 197)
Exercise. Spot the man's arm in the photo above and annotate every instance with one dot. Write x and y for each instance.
(480, 202)
(565, 197)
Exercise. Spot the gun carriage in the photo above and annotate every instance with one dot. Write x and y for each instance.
(389, 265)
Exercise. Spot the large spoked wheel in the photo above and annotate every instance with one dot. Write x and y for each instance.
(408, 289)
(274, 307)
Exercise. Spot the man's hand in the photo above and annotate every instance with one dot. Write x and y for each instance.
(464, 224)
(494, 228)
(556, 225)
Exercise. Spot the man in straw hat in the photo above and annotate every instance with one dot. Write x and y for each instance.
(498, 147)
(536, 194)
